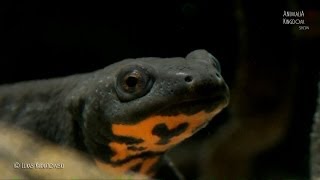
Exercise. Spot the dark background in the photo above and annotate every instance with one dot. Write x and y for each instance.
(41, 40)
(45, 40)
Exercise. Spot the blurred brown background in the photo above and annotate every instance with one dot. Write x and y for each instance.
(271, 68)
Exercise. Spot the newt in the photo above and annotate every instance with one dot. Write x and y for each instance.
(125, 116)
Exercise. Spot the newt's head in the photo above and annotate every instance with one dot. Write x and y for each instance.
(139, 108)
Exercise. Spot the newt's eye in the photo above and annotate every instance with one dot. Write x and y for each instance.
(133, 82)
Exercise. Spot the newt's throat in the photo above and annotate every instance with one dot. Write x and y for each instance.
(158, 134)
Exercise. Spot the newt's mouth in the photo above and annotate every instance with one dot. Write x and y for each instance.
(193, 106)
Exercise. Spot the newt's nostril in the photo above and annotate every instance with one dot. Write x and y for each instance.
(218, 75)
(188, 78)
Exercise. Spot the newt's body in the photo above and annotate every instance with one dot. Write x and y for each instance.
(126, 115)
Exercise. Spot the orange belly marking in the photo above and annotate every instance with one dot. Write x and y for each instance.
(143, 130)
(122, 151)
(121, 168)
(146, 165)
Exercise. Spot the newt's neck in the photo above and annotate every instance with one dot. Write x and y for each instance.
(39, 106)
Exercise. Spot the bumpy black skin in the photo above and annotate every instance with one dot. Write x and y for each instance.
(78, 110)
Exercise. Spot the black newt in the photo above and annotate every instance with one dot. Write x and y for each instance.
(125, 116)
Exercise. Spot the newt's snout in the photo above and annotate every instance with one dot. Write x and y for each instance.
(199, 77)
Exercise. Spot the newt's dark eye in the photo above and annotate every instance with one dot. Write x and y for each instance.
(133, 82)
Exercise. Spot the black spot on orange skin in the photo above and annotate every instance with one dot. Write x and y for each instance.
(135, 148)
(137, 167)
(124, 167)
(128, 140)
(142, 165)
(165, 134)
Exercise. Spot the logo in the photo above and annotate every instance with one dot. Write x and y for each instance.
(295, 18)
